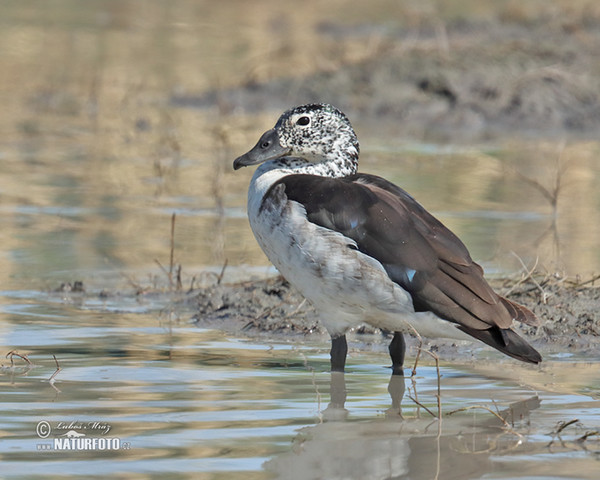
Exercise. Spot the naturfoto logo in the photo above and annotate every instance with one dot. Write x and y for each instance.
(76, 435)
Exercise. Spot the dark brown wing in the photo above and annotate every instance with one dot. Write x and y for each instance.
(417, 251)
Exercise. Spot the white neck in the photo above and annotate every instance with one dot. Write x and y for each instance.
(270, 172)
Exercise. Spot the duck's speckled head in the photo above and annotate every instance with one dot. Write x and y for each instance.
(315, 138)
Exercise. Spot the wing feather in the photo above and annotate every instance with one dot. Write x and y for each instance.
(417, 251)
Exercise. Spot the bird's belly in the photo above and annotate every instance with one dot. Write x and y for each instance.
(346, 286)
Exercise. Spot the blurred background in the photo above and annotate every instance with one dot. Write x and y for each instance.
(118, 113)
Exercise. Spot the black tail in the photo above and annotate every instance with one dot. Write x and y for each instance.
(507, 341)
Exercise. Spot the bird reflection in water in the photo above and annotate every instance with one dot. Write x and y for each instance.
(399, 446)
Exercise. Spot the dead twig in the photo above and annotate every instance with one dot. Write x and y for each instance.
(524, 278)
(52, 379)
(560, 427)
(591, 280)
(481, 407)
(14, 353)
(172, 253)
(179, 284)
(439, 389)
(586, 435)
(545, 295)
(165, 271)
(415, 399)
(192, 281)
(220, 277)
(506, 425)
(563, 425)
(550, 194)
(439, 382)
(139, 289)
(170, 271)
(263, 314)
(422, 406)
(58, 369)
(266, 313)
(419, 347)
(296, 310)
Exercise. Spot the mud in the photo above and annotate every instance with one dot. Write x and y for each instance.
(469, 79)
(273, 308)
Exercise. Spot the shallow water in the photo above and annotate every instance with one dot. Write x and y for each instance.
(186, 402)
(95, 159)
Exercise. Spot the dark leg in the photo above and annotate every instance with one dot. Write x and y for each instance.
(339, 350)
(397, 351)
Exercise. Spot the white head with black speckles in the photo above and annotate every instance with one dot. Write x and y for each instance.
(317, 139)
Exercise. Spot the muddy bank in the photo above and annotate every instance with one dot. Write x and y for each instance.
(462, 79)
(271, 308)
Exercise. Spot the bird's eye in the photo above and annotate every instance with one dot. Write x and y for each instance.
(303, 121)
